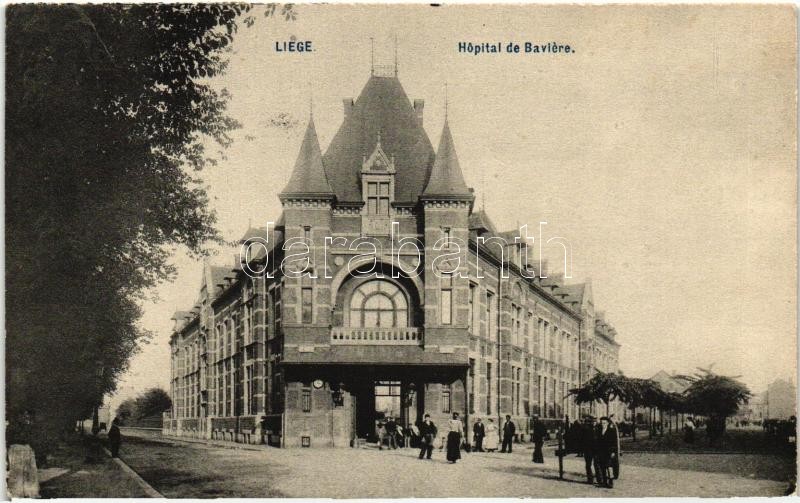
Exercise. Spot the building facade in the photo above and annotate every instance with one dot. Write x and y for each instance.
(356, 305)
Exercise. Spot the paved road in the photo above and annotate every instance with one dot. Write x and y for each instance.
(195, 470)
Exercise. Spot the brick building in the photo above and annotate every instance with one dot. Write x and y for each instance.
(317, 353)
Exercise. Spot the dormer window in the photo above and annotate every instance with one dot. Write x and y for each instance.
(377, 181)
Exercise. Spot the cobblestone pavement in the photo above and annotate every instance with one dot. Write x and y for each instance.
(369, 473)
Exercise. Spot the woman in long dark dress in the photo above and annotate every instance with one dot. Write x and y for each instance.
(454, 439)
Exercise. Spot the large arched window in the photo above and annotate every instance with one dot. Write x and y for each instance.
(378, 303)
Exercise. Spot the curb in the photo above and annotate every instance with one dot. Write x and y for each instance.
(147, 488)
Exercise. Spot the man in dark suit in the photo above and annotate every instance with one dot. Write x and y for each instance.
(478, 432)
(539, 432)
(509, 429)
(427, 433)
(605, 446)
(586, 444)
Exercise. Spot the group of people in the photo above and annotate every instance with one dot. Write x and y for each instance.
(487, 437)
(390, 432)
(598, 443)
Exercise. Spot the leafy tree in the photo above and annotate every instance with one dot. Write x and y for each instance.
(639, 393)
(602, 387)
(152, 402)
(715, 396)
(106, 108)
(127, 410)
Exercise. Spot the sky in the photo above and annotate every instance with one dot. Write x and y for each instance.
(663, 149)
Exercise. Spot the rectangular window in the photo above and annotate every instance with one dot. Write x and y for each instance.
(306, 399)
(471, 407)
(473, 289)
(251, 406)
(447, 299)
(308, 305)
(446, 399)
(488, 388)
(513, 385)
(446, 236)
(307, 234)
(378, 198)
(545, 399)
(491, 319)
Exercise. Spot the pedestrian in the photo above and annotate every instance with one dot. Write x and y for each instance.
(605, 447)
(413, 439)
(391, 432)
(509, 429)
(688, 431)
(575, 433)
(587, 442)
(539, 432)
(381, 434)
(456, 429)
(492, 436)
(427, 432)
(478, 432)
(114, 438)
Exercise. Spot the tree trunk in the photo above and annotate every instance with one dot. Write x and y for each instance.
(633, 425)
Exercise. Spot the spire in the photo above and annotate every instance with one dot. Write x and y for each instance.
(371, 56)
(395, 55)
(446, 178)
(308, 176)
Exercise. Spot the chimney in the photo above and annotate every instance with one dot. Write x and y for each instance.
(419, 106)
(348, 107)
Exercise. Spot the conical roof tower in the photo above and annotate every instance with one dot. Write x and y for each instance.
(308, 178)
(447, 180)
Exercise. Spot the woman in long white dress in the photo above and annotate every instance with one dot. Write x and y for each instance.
(492, 436)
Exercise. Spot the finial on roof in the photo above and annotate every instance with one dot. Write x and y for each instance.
(310, 101)
(483, 190)
(379, 140)
(445, 101)
(395, 55)
(371, 56)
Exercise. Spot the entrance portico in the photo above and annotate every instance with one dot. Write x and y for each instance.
(347, 401)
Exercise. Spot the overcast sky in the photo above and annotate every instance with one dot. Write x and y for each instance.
(663, 150)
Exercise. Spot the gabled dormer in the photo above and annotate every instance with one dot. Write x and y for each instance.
(377, 190)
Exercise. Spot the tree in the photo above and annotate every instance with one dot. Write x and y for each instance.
(108, 114)
(602, 387)
(126, 410)
(639, 393)
(715, 396)
(152, 402)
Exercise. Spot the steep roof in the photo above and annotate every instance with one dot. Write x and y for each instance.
(308, 177)
(446, 177)
(253, 233)
(480, 222)
(382, 107)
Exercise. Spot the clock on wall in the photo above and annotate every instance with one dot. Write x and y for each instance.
(318, 384)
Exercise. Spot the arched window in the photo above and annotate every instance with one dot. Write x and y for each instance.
(378, 303)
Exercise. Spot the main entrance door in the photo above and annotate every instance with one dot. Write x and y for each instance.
(377, 400)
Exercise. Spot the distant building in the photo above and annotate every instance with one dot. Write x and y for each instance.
(297, 361)
(779, 401)
(669, 383)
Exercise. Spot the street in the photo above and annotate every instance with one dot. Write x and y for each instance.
(187, 469)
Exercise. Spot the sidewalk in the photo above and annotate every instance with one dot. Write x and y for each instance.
(80, 469)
